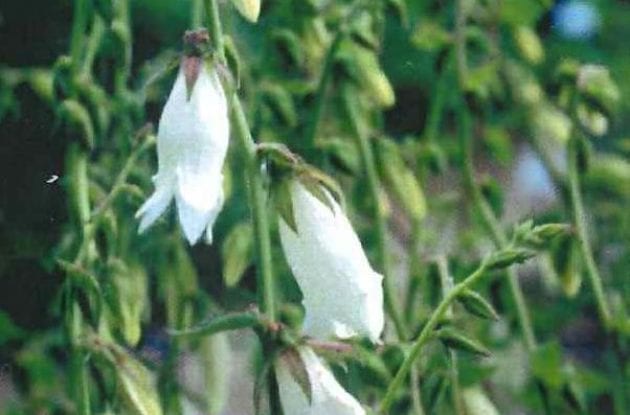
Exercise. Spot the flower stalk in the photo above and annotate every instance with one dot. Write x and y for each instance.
(369, 164)
(256, 194)
(426, 333)
(579, 218)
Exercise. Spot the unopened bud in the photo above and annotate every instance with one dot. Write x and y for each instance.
(529, 44)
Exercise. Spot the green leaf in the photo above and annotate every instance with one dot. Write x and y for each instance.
(475, 304)
(233, 59)
(546, 363)
(522, 12)
(136, 386)
(130, 283)
(288, 43)
(217, 360)
(281, 103)
(566, 261)
(456, 340)
(529, 44)
(343, 154)
(598, 88)
(77, 121)
(237, 253)
(363, 67)
(430, 36)
(399, 179)
(400, 8)
(8, 330)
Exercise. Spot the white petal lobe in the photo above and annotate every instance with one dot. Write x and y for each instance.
(193, 137)
(343, 295)
(328, 396)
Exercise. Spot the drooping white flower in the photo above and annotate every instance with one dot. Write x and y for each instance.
(342, 294)
(192, 141)
(328, 397)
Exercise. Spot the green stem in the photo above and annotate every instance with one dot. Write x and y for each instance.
(257, 200)
(416, 400)
(579, 218)
(446, 283)
(196, 15)
(310, 135)
(79, 193)
(425, 335)
(493, 227)
(121, 179)
(436, 110)
(369, 164)
(417, 283)
(77, 36)
(225, 322)
(93, 43)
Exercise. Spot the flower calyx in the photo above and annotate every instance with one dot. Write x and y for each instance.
(284, 167)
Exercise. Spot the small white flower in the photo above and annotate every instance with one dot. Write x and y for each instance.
(343, 296)
(327, 395)
(192, 142)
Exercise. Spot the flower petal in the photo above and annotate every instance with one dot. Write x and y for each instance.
(342, 294)
(199, 199)
(328, 396)
(154, 206)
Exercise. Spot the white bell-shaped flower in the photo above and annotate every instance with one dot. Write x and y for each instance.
(342, 294)
(192, 142)
(328, 397)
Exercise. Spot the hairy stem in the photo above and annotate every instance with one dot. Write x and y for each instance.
(266, 295)
(446, 283)
(425, 335)
(369, 164)
(579, 219)
(493, 227)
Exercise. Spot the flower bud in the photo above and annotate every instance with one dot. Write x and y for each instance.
(327, 397)
(477, 403)
(595, 82)
(192, 143)
(529, 44)
(343, 296)
(249, 9)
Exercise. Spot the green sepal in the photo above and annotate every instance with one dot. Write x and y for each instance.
(477, 305)
(315, 188)
(508, 256)
(456, 340)
(292, 359)
(281, 195)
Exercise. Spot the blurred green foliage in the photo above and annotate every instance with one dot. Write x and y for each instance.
(391, 78)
